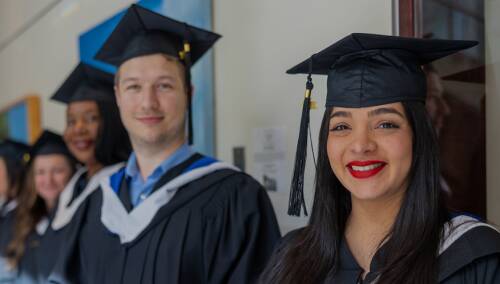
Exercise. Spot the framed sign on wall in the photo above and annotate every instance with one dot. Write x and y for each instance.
(20, 120)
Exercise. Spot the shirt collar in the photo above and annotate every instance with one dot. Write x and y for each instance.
(182, 153)
(132, 168)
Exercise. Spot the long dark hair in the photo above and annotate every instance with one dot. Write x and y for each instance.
(113, 144)
(410, 252)
(15, 171)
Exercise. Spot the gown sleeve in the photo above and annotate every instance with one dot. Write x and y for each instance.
(240, 232)
(485, 270)
(473, 258)
(66, 267)
(7, 275)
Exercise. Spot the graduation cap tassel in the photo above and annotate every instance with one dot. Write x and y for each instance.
(297, 200)
(186, 56)
(190, 98)
(190, 119)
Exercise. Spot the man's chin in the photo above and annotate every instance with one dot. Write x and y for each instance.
(150, 140)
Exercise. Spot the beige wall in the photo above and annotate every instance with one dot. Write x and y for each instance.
(40, 59)
(492, 31)
(261, 40)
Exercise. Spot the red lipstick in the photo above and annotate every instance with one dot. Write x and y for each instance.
(365, 169)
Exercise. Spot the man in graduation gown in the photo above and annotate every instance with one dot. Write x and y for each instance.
(170, 215)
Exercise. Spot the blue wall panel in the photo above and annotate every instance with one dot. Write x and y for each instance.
(18, 126)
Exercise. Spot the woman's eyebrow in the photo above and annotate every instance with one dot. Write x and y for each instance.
(341, 114)
(384, 110)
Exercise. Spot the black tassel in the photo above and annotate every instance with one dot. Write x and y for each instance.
(189, 99)
(186, 54)
(190, 120)
(297, 201)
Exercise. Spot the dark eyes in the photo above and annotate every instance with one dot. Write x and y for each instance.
(90, 118)
(164, 86)
(387, 125)
(161, 87)
(340, 127)
(133, 87)
(383, 125)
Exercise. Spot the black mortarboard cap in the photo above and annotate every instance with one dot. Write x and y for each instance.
(86, 83)
(14, 150)
(49, 143)
(365, 70)
(143, 32)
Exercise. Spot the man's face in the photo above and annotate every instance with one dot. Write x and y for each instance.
(151, 95)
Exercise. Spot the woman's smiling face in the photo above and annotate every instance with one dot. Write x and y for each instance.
(370, 150)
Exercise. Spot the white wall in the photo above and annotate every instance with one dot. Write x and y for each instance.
(262, 39)
(16, 15)
(492, 31)
(39, 60)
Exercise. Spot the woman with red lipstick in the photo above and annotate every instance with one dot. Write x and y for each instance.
(378, 214)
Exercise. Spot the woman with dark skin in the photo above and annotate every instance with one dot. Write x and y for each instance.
(378, 214)
(94, 134)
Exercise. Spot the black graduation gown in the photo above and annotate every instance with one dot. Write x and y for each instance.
(40, 252)
(27, 269)
(7, 216)
(470, 256)
(39, 256)
(219, 227)
(43, 246)
(50, 242)
(7, 213)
